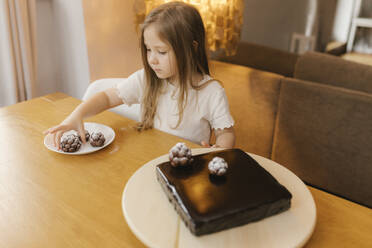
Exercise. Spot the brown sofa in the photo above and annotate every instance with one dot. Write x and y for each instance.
(262, 58)
(317, 123)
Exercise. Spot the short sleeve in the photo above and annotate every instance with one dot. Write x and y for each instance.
(219, 112)
(131, 89)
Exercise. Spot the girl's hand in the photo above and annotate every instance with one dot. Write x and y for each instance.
(94, 105)
(207, 145)
(70, 123)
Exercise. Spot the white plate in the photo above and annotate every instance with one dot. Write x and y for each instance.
(154, 221)
(91, 127)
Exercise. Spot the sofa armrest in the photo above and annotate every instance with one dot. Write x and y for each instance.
(323, 135)
(332, 70)
(262, 58)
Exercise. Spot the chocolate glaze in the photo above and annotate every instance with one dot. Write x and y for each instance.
(208, 203)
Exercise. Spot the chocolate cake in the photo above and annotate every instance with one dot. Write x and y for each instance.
(208, 203)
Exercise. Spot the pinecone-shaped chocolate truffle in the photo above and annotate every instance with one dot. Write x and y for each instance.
(87, 135)
(70, 143)
(180, 155)
(97, 139)
(218, 166)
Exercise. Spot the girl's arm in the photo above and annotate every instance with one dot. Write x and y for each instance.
(94, 105)
(224, 138)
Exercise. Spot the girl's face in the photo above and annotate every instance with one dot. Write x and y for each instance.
(160, 55)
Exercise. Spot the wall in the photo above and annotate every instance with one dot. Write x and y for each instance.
(272, 23)
(327, 20)
(342, 20)
(82, 40)
(47, 63)
(61, 44)
(113, 45)
(7, 87)
(363, 36)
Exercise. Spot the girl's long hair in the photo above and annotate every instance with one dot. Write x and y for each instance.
(181, 26)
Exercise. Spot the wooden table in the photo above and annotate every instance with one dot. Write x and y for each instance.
(55, 200)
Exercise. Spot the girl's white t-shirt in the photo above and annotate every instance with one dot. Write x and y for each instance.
(206, 108)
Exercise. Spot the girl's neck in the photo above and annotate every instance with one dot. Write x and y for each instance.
(196, 77)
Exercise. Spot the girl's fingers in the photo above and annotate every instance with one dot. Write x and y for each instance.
(55, 129)
(205, 144)
(54, 140)
(48, 131)
(81, 133)
(56, 132)
(57, 139)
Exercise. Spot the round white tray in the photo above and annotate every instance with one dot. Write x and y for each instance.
(86, 148)
(153, 220)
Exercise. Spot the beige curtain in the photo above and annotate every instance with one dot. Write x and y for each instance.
(17, 51)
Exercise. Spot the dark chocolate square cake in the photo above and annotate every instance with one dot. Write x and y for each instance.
(209, 203)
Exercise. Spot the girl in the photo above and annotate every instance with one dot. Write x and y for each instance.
(176, 93)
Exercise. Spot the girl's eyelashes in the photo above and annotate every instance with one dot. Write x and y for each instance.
(160, 52)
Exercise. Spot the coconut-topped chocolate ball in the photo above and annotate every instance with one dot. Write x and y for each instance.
(97, 139)
(218, 166)
(180, 155)
(70, 143)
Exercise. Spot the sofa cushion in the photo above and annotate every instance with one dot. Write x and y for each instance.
(332, 70)
(262, 58)
(253, 99)
(323, 135)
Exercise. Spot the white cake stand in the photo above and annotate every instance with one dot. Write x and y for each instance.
(153, 220)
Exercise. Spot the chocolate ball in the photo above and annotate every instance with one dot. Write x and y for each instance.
(218, 166)
(97, 139)
(180, 155)
(70, 143)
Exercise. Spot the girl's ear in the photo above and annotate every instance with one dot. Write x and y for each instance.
(195, 45)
